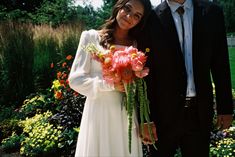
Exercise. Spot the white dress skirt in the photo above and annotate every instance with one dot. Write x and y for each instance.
(104, 124)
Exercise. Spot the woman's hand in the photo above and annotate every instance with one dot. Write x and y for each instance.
(119, 87)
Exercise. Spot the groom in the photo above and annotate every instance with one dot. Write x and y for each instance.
(188, 49)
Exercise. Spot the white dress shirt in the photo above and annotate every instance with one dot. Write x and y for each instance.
(188, 26)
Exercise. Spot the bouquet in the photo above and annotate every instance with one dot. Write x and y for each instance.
(127, 66)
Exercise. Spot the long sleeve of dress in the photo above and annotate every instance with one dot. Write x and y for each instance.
(83, 78)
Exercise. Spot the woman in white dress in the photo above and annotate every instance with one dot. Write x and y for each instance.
(104, 124)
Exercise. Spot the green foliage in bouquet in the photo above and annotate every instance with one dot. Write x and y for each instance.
(138, 89)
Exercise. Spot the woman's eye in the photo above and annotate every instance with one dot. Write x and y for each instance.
(137, 17)
(127, 9)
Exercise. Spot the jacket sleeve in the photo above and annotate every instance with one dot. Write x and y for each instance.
(221, 68)
(80, 78)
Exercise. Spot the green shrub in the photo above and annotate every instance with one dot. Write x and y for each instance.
(36, 103)
(12, 143)
(17, 49)
(223, 143)
(41, 136)
(8, 126)
(70, 103)
(70, 39)
(233, 92)
(6, 112)
(46, 52)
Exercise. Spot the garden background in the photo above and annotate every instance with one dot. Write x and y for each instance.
(39, 114)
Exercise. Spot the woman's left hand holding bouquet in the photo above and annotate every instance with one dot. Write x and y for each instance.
(119, 86)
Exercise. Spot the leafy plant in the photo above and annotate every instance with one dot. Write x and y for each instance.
(70, 114)
(12, 143)
(46, 52)
(223, 143)
(70, 103)
(41, 136)
(8, 126)
(36, 103)
(17, 53)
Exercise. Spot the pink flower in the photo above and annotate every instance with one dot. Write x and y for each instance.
(120, 65)
(137, 65)
(127, 74)
(121, 59)
(143, 73)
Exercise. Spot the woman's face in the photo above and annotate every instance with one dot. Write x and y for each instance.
(130, 14)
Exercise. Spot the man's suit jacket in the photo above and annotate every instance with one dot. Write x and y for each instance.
(167, 80)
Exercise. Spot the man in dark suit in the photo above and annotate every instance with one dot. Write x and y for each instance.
(185, 55)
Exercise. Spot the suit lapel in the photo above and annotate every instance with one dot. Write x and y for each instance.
(170, 34)
(198, 29)
(169, 28)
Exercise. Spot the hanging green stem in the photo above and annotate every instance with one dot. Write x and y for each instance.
(138, 86)
(144, 108)
(141, 103)
(131, 90)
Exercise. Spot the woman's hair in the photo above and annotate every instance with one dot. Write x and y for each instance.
(107, 37)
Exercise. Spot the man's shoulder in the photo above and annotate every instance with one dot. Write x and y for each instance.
(209, 7)
(160, 8)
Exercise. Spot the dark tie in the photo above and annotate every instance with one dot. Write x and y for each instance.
(180, 11)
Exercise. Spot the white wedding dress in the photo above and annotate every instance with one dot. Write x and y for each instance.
(104, 124)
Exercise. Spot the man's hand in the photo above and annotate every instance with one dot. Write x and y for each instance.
(224, 121)
(146, 137)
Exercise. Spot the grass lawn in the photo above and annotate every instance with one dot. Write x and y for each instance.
(232, 64)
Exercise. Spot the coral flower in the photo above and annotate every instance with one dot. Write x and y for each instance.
(126, 74)
(52, 65)
(58, 95)
(69, 57)
(64, 64)
(59, 74)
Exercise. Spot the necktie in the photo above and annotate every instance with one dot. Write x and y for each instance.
(180, 11)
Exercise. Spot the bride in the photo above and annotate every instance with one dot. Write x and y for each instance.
(104, 124)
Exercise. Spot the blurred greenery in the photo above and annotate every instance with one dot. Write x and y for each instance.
(232, 64)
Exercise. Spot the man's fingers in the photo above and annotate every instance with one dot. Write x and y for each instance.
(148, 141)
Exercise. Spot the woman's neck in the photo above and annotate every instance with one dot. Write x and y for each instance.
(121, 37)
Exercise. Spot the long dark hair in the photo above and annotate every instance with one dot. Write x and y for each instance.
(108, 27)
